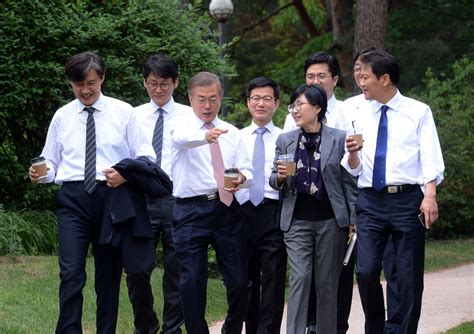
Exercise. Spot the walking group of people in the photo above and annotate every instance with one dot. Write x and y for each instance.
(132, 177)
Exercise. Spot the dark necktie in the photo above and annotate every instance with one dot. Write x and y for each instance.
(90, 162)
(218, 167)
(380, 160)
(157, 141)
(258, 182)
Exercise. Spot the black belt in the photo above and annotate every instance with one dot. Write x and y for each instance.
(99, 182)
(269, 201)
(403, 188)
(199, 198)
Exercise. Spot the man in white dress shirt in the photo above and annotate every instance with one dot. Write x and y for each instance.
(84, 195)
(322, 69)
(267, 251)
(401, 156)
(160, 78)
(206, 213)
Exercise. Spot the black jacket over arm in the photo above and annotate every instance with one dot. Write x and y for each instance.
(125, 209)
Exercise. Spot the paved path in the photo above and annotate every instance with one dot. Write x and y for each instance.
(448, 300)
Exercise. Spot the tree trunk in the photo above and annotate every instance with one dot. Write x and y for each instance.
(371, 24)
(342, 31)
(305, 18)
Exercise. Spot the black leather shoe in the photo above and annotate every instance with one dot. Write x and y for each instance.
(311, 329)
(153, 330)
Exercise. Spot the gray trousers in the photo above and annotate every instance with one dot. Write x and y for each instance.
(318, 243)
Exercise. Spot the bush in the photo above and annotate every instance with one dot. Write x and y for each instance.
(449, 96)
(38, 37)
(28, 232)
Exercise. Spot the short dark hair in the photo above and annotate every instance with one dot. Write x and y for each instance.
(263, 82)
(382, 63)
(322, 58)
(315, 95)
(162, 66)
(361, 52)
(205, 79)
(77, 66)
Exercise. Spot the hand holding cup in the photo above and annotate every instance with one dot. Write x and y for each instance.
(38, 169)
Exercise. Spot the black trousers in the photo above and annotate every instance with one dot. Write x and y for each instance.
(266, 267)
(160, 211)
(198, 225)
(79, 224)
(379, 216)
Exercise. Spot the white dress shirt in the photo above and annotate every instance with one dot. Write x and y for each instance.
(334, 116)
(350, 109)
(191, 167)
(118, 136)
(269, 138)
(413, 150)
(173, 114)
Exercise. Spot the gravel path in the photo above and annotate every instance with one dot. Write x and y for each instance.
(448, 300)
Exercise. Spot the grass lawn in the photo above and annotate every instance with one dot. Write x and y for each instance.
(29, 290)
(467, 327)
(29, 297)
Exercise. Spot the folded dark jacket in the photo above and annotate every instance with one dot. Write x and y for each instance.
(145, 176)
(126, 210)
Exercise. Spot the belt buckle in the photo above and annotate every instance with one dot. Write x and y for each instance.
(392, 189)
(210, 197)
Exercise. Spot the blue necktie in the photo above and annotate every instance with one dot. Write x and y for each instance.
(380, 160)
(258, 182)
(157, 141)
(90, 158)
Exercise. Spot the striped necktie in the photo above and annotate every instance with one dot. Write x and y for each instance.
(157, 141)
(90, 162)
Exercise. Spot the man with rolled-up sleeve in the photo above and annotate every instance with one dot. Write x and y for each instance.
(206, 213)
(399, 167)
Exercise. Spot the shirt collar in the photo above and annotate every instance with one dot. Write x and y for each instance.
(99, 104)
(393, 103)
(269, 126)
(331, 103)
(216, 121)
(168, 107)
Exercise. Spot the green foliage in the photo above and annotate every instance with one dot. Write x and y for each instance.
(37, 38)
(449, 96)
(290, 17)
(27, 232)
(429, 33)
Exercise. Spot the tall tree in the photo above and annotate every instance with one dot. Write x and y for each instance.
(343, 33)
(370, 23)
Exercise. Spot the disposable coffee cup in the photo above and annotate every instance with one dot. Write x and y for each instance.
(39, 165)
(289, 161)
(230, 175)
(356, 134)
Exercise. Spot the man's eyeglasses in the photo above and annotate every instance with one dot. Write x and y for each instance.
(266, 99)
(319, 76)
(296, 106)
(153, 85)
(212, 101)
